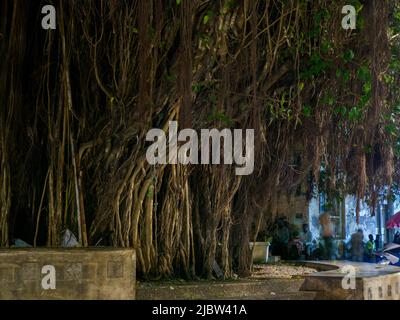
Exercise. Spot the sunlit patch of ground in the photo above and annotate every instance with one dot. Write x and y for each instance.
(279, 271)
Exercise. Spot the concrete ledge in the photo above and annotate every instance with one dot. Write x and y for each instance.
(373, 281)
(80, 274)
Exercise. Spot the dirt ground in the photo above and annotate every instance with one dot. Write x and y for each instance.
(279, 271)
(280, 281)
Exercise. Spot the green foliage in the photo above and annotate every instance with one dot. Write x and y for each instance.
(231, 4)
(328, 99)
(219, 115)
(355, 114)
(197, 88)
(340, 110)
(364, 73)
(348, 55)
(170, 78)
(326, 47)
(307, 110)
(392, 80)
(315, 67)
(208, 16)
(392, 130)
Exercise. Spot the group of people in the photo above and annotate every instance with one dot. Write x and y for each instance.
(364, 251)
(292, 244)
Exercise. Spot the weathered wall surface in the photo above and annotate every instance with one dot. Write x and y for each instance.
(295, 209)
(81, 274)
(382, 288)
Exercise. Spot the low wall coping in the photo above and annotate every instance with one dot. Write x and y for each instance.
(67, 273)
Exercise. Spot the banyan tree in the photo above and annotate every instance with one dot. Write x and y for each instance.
(76, 104)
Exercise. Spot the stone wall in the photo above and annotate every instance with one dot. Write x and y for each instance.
(295, 209)
(80, 274)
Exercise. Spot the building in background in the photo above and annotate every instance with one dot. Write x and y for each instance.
(299, 210)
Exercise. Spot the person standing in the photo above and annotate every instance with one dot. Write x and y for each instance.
(306, 239)
(370, 248)
(357, 246)
(327, 235)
